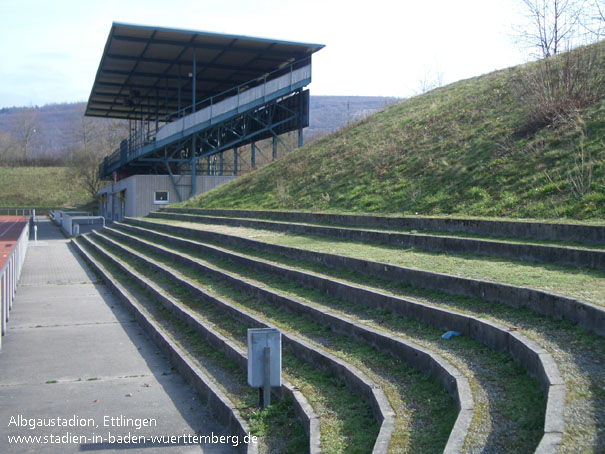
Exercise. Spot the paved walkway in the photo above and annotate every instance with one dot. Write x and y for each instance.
(73, 358)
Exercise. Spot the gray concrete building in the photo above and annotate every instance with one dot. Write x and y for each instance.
(138, 195)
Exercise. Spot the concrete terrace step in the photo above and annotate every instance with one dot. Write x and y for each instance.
(492, 248)
(355, 380)
(541, 302)
(416, 356)
(579, 354)
(217, 400)
(534, 358)
(548, 231)
(221, 343)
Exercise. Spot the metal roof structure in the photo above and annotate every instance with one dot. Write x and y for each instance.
(191, 96)
(151, 72)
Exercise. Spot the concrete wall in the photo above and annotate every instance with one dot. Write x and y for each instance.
(117, 199)
(134, 196)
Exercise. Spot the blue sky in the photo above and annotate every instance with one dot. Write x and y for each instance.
(50, 50)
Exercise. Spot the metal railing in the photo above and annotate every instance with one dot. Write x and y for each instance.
(9, 276)
(238, 90)
(233, 98)
(17, 211)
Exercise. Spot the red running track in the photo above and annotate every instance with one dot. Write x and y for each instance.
(11, 228)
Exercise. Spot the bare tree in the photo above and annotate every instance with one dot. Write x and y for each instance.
(96, 139)
(25, 127)
(567, 78)
(8, 149)
(553, 25)
(593, 21)
(430, 80)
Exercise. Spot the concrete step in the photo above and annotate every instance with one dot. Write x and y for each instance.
(493, 335)
(587, 315)
(533, 230)
(222, 407)
(227, 346)
(356, 380)
(578, 353)
(523, 251)
(535, 359)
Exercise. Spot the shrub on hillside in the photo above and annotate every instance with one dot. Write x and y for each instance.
(555, 89)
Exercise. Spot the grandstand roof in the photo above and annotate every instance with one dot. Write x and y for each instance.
(143, 67)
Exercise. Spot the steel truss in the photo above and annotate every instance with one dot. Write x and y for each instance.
(203, 152)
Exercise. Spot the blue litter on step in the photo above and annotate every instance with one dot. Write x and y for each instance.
(449, 334)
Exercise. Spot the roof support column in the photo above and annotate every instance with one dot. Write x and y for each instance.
(300, 117)
(274, 147)
(157, 94)
(148, 121)
(193, 84)
(235, 161)
(253, 155)
(178, 96)
(129, 135)
(193, 164)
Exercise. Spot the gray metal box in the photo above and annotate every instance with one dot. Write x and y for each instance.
(258, 339)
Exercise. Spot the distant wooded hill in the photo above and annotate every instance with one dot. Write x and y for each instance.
(56, 125)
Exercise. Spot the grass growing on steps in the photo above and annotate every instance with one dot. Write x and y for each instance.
(425, 415)
(579, 353)
(345, 420)
(277, 425)
(274, 217)
(580, 283)
(502, 409)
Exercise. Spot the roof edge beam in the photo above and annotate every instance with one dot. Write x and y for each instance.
(196, 46)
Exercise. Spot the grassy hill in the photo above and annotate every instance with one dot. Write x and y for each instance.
(470, 149)
(40, 187)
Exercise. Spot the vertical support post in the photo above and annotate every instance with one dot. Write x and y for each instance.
(148, 124)
(267, 378)
(208, 163)
(235, 161)
(253, 155)
(221, 164)
(193, 164)
(300, 117)
(178, 95)
(166, 95)
(142, 129)
(157, 94)
(193, 87)
(274, 147)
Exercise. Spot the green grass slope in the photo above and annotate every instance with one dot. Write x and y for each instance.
(40, 187)
(458, 150)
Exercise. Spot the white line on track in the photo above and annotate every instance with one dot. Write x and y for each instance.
(8, 228)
